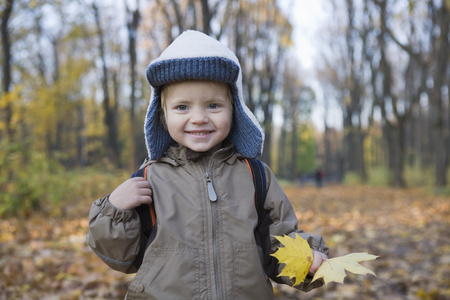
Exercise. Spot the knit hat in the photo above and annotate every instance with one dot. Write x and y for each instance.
(196, 56)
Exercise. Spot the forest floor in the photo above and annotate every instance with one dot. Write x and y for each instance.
(47, 258)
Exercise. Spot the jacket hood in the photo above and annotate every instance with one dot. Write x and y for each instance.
(196, 56)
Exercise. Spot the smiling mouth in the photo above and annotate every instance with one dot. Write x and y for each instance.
(199, 133)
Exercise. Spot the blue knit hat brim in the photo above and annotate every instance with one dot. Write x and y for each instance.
(246, 133)
(196, 68)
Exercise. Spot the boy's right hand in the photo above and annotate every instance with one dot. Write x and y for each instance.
(132, 193)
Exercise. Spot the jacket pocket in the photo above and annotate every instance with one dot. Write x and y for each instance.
(250, 280)
(167, 273)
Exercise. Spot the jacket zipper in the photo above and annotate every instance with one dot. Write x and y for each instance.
(213, 198)
(211, 192)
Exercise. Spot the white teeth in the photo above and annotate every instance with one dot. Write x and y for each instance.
(199, 133)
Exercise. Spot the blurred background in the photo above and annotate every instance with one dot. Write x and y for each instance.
(348, 92)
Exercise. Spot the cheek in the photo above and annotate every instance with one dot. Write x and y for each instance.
(173, 124)
(228, 123)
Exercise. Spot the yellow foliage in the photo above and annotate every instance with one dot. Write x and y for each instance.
(286, 41)
(12, 99)
(296, 255)
(333, 269)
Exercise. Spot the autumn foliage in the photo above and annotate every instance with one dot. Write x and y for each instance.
(46, 257)
(295, 256)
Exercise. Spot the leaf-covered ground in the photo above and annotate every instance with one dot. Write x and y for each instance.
(47, 257)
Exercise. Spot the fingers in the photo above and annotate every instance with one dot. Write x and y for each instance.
(143, 190)
(140, 182)
(146, 200)
(132, 193)
(319, 258)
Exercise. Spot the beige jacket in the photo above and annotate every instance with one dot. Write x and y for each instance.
(201, 249)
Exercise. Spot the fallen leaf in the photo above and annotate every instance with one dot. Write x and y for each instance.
(333, 269)
(296, 255)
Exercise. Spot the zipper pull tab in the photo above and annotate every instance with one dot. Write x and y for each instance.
(211, 192)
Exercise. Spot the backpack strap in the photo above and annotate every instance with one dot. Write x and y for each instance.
(262, 230)
(259, 181)
(146, 212)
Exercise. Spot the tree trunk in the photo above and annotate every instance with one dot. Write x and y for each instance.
(294, 147)
(352, 99)
(440, 128)
(206, 13)
(399, 180)
(133, 23)
(110, 118)
(348, 146)
(178, 16)
(362, 172)
(282, 149)
(281, 171)
(82, 152)
(266, 157)
(6, 80)
(328, 161)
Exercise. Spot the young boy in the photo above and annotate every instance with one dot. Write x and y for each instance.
(198, 132)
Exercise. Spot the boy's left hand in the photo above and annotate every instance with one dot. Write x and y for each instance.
(319, 257)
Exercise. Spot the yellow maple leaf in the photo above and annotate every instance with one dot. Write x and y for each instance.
(333, 269)
(296, 255)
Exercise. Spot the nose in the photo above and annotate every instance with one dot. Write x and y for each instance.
(199, 116)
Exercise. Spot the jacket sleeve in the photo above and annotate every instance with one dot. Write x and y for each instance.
(115, 235)
(280, 219)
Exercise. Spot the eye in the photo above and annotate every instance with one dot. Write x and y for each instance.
(213, 106)
(181, 107)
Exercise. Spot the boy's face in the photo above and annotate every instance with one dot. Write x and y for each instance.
(198, 114)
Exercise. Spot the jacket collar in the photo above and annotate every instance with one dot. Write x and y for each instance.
(182, 155)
